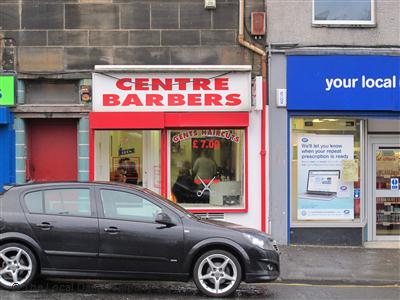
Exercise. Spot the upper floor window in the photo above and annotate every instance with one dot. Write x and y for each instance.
(343, 12)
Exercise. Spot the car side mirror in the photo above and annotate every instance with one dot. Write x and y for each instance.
(164, 219)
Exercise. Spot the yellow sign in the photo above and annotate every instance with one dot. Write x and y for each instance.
(349, 170)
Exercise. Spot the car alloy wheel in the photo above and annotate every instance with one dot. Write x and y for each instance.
(217, 273)
(17, 266)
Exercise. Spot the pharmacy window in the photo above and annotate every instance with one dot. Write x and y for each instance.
(326, 169)
(343, 12)
(207, 168)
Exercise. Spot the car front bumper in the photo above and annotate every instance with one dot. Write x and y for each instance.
(264, 267)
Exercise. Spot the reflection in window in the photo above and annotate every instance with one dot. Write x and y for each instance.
(127, 206)
(207, 167)
(70, 202)
(342, 10)
(34, 202)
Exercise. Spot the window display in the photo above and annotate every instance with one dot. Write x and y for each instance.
(207, 167)
(325, 181)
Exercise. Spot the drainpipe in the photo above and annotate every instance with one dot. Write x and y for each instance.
(263, 152)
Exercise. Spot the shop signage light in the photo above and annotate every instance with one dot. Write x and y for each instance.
(213, 91)
(343, 82)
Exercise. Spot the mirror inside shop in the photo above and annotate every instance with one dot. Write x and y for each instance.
(387, 191)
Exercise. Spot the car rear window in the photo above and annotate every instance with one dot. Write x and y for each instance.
(34, 202)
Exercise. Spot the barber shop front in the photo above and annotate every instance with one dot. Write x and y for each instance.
(189, 134)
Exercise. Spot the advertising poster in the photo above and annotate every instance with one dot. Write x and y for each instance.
(323, 192)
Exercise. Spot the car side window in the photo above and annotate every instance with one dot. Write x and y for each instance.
(71, 202)
(127, 206)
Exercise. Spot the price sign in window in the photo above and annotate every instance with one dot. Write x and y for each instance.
(206, 144)
(207, 168)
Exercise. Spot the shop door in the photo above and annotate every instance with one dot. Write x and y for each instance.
(386, 192)
(52, 145)
(130, 156)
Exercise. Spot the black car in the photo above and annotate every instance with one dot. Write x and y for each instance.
(116, 231)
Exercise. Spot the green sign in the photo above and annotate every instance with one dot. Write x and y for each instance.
(7, 89)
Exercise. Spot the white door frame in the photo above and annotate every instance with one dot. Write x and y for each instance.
(374, 141)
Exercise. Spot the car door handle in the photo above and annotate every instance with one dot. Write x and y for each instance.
(44, 225)
(112, 229)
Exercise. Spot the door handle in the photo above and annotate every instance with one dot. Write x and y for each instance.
(44, 225)
(112, 229)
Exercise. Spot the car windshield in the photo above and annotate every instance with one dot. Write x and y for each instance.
(168, 202)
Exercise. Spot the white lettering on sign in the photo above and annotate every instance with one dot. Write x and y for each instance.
(363, 82)
(172, 92)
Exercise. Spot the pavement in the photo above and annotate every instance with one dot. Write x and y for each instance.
(346, 265)
(134, 290)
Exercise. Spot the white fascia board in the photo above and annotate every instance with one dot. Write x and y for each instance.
(172, 68)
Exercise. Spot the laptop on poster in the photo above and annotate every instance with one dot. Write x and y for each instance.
(322, 184)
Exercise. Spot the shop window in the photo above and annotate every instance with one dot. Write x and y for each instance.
(207, 168)
(343, 12)
(128, 156)
(325, 169)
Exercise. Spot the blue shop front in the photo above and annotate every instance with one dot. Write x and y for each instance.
(7, 147)
(343, 149)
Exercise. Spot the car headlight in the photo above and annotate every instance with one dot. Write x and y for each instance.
(259, 242)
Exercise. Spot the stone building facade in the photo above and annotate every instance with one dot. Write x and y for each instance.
(74, 35)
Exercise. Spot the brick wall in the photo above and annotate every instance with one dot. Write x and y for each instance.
(74, 35)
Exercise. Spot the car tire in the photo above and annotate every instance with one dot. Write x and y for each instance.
(18, 266)
(217, 273)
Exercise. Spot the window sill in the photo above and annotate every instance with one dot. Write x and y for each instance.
(331, 224)
(345, 25)
(216, 210)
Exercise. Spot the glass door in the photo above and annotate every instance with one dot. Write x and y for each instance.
(386, 193)
(128, 156)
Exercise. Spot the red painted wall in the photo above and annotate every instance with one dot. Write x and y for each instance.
(52, 150)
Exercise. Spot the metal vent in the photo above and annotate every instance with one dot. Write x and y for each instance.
(212, 216)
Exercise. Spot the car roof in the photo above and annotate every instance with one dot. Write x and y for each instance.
(48, 184)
